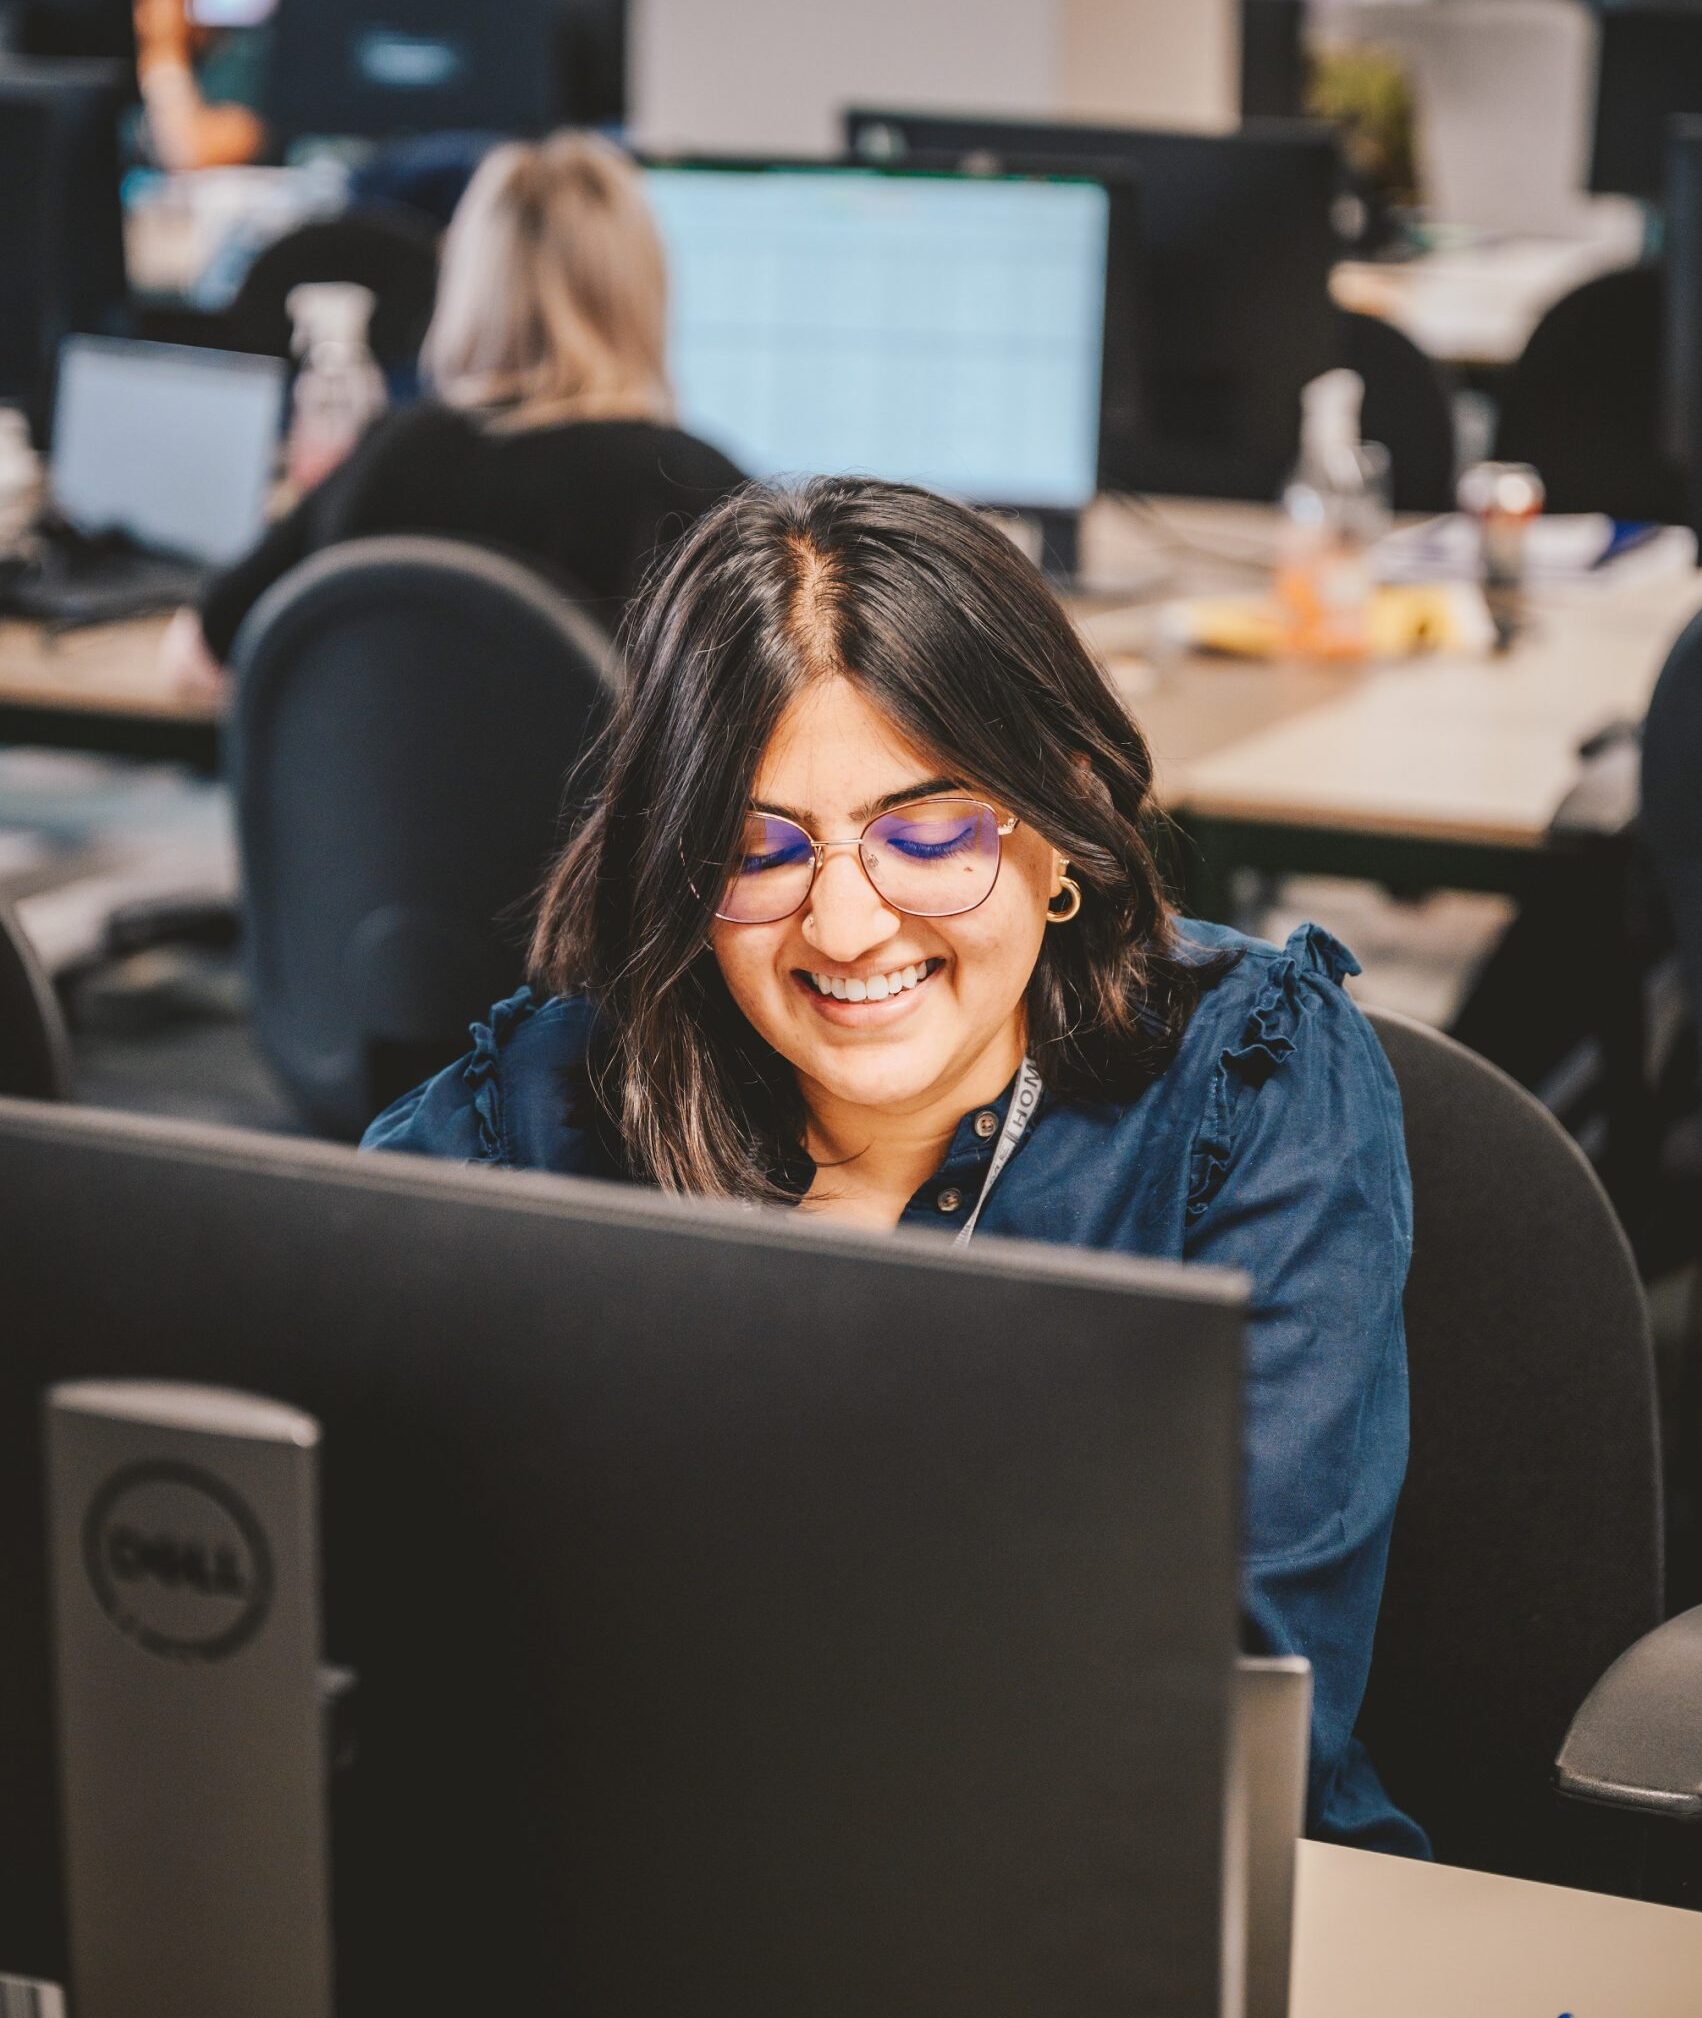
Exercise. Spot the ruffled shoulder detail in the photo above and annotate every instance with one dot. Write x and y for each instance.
(479, 1070)
(1267, 1040)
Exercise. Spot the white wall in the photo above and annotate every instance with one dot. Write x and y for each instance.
(1151, 62)
(769, 76)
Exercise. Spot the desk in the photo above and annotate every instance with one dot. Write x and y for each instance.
(1381, 1937)
(1443, 773)
(101, 689)
(1477, 304)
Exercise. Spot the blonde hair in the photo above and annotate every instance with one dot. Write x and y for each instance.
(552, 301)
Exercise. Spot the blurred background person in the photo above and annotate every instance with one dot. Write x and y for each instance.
(549, 428)
(202, 84)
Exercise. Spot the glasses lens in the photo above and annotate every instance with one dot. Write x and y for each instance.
(936, 858)
(771, 877)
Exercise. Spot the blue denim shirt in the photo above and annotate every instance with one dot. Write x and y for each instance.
(1273, 1144)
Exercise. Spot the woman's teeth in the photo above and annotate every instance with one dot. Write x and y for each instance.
(877, 987)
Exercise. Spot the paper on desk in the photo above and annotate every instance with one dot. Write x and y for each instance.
(1563, 547)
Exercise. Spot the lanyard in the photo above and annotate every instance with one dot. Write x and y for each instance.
(1024, 1099)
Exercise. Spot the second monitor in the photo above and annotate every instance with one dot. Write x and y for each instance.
(938, 329)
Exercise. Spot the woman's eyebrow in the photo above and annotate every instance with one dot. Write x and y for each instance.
(926, 790)
(904, 796)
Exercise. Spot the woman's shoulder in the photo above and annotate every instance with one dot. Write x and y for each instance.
(1278, 1054)
(511, 1099)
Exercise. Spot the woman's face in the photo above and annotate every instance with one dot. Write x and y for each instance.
(833, 763)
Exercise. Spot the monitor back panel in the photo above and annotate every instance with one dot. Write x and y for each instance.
(1649, 72)
(352, 67)
(61, 231)
(748, 1618)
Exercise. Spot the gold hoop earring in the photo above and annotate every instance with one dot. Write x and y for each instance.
(1070, 890)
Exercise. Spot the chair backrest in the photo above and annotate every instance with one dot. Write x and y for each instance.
(1527, 1546)
(35, 1053)
(1672, 797)
(408, 712)
(1407, 408)
(393, 251)
(1585, 403)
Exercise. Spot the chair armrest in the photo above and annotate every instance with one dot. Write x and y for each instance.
(1636, 1742)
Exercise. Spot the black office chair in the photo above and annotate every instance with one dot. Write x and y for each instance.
(1408, 408)
(35, 1053)
(389, 249)
(1527, 1546)
(1671, 825)
(407, 713)
(1585, 402)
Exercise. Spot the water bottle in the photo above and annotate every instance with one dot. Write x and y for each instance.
(339, 388)
(20, 478)
(1336, 506)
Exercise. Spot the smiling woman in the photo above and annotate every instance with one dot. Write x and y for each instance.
(865, 919)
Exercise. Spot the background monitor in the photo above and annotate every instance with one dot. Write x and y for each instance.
(103, 28)
(173, 446)
(937, 329)
(378, 68)
(61, 228)
(1273, 59)
(1649, 71)
(1236, 246)
(749, 1616)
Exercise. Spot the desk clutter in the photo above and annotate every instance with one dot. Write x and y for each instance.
(568, 1579)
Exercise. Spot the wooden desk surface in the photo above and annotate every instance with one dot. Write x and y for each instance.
(1443, 748)
(1477, 304)
(1382, 1937)
(109, 669)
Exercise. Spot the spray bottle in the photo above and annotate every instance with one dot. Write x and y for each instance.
(1336, 505)
(339, 388)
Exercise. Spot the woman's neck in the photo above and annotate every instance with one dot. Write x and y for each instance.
(871, 1161)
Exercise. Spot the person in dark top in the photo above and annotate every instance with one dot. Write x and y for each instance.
(864, 921)
(549, 432)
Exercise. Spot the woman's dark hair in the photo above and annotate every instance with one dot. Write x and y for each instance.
(945, 628)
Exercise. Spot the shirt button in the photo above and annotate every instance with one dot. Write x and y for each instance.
(949, 1199)
(985, 1124)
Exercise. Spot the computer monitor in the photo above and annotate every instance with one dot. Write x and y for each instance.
(1236, 245)
(375, 69)
(1649, 71)
(938, 329)
(749, 1615)
(100, 28)
(171, 446)
(1273, 59)
(61, 229)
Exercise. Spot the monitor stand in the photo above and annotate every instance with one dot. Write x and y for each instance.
(1060, 545)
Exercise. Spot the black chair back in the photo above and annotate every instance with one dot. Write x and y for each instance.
(390, 250)
(1527, 1546)
(35, 1053)
(1408, 408)
(408, 712)
(1672, 797)
(1586, 402)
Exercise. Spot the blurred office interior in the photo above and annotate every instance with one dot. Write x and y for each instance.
(1128, 235)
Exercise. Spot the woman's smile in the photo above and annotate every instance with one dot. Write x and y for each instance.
(867, 1001)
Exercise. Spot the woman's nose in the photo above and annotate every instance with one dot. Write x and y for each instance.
(845, 917)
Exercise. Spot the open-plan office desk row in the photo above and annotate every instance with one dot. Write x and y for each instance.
(1438, 773)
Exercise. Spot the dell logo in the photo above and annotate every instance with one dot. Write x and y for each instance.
(177, 1561)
